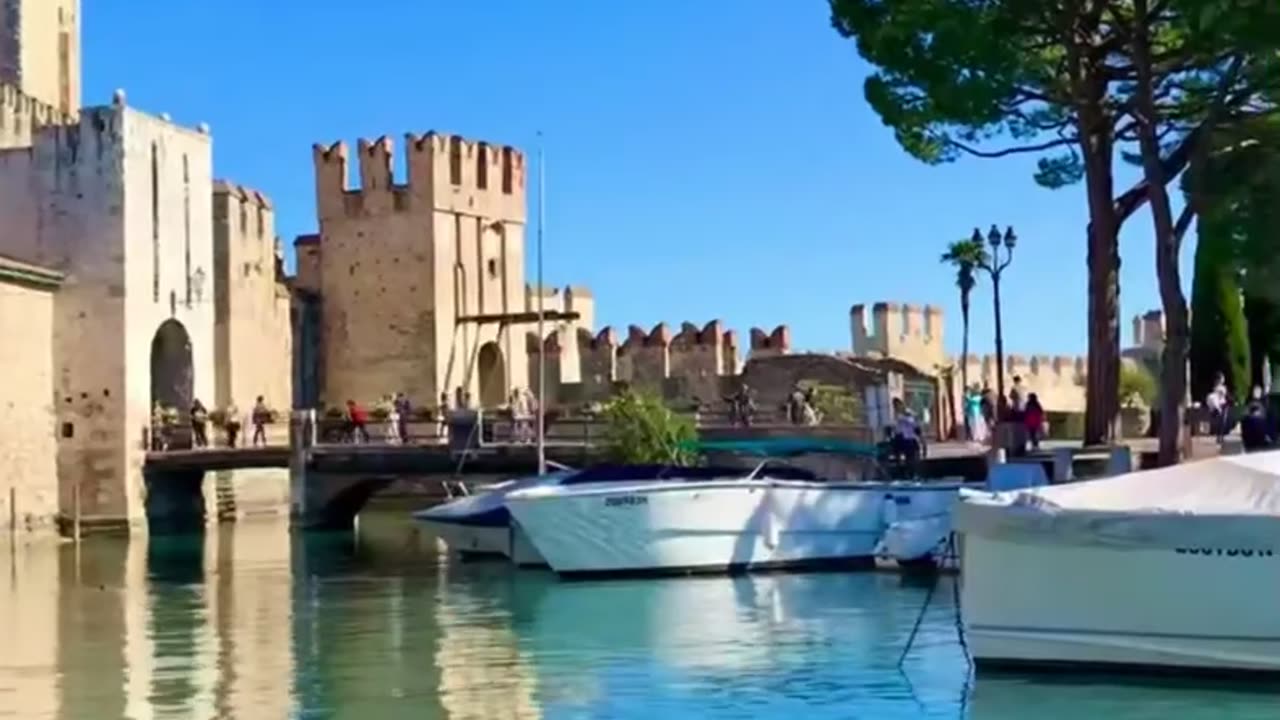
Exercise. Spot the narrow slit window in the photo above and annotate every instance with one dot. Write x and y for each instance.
(455, 160)
(155, 223)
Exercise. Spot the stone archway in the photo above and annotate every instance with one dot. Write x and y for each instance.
(172, 369)
(493, 376)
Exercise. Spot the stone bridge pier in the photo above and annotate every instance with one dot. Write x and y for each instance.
(324, 500)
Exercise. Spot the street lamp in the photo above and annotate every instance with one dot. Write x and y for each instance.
(994, 266)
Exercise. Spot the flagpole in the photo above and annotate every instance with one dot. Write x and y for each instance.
(542, 338)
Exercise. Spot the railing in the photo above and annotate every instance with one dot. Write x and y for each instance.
(495, 428)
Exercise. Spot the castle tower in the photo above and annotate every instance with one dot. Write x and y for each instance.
(910, 333)
(121, 203)
(251, 306)
(40, 51)
(401, 262)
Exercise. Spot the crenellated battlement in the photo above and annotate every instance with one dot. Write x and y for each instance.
(637, 338)
(777, 342)
(693, 338)
(1056, 368)
(445, 172)
(908, 332)
(22, 116)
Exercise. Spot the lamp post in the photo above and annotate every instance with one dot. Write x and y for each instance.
(994, 266)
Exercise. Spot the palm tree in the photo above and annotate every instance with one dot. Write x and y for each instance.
(966, 256)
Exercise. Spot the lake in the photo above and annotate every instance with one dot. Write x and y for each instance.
(252, 621)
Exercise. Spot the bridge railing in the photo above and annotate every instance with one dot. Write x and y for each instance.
(495, 428)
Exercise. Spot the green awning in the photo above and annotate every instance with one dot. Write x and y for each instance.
(785, 447)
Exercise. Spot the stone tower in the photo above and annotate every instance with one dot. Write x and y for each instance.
(40, 50)
(906, 332)
(400, 263)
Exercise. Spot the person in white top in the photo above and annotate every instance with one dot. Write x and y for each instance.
(1217, 401)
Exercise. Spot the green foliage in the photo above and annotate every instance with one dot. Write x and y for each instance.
(1262, 315)
(1219, 337)
(836, 404)
(966, 256)
(1138, 386)
(639, 428)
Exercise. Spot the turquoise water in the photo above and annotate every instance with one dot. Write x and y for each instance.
(250, 621)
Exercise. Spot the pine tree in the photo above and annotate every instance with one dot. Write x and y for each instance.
(1219, 335)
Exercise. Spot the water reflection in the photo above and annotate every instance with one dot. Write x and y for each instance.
(251, 621)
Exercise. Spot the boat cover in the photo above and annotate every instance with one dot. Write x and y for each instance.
(1229, 503)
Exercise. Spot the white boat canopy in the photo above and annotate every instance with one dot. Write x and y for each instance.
(1229, 504)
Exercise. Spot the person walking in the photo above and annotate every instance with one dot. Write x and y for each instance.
(359, 421)
(1255, 430)
(232, 424)
(199, 424)
(1033, 420)
(1218, 401)
(260, 417)
(402, 408)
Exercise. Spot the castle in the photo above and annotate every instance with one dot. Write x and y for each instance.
(128, 277)
(442, 307)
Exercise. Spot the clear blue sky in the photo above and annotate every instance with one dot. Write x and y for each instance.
(710, 159)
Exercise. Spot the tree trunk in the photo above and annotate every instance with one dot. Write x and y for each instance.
(1103, 370)
(964, 363)
(1173, 389)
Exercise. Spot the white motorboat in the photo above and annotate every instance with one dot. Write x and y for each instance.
(1176, 568)
(918, 524)
(711, 519)
(479, 524)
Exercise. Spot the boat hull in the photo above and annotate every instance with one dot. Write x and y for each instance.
(471, 540)
(1031, 606)
(680, 527)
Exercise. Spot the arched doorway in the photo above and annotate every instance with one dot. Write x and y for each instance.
(493, 376)
(172, 373)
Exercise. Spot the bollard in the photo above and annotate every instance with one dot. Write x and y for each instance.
(1062, 470)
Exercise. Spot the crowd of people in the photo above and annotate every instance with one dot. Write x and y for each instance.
(166, 421)
(982, 409)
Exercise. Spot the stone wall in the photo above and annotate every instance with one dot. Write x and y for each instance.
(401, 262)
(699, 364)
(254, 334)
(40, 50)
(21, 115)
(28, 445)
(122, 207)
(414, 278)
(906, 332)
(1058, 381)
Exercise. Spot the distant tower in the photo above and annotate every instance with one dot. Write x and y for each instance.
(40, 50)
(401, 263)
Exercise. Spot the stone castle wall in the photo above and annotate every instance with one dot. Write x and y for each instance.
(21, 115)
(30, 450)
(694, 365)
(449, 244)
(252, 304)
(121, 202)
(40, 50)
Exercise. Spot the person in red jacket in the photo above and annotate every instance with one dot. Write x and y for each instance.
(359, 419)
(1033, 417)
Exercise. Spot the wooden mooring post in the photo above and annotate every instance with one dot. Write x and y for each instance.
(75, 512)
